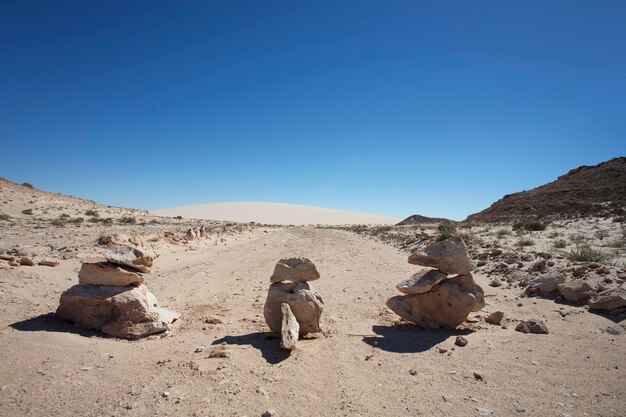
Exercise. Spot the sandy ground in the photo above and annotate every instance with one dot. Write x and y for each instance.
(360, 366)
(365, 363)
(274, 213)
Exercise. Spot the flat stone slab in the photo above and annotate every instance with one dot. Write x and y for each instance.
(449, 256)
(421, 282)
(295, 270)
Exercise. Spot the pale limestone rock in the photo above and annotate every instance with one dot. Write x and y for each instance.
(446, 305)
(290, 328)
(449, 256)
(127, 312)
(305, 303)
(421, 282)
(295, 270)
(104, 273)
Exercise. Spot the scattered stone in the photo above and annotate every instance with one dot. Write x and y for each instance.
(9, 258)
(449, 256)
(611, 300)
(2, 265)
(413, 372)
(113, 240)
(49, 262)
(136, 240)
(518, 407)
(478, 377)
(421, 282)
(269, 413)
(26, 261)
(546, 283)
(295, 270)
(576, 291)
(104, 273)
(447, 305)
(127, 312)
(290, 328)
(539, 266)
(130, 258)
(441, 350)
(495, 283)
(517, 276)
(213, 320)
(484, 411)
(305, 304)
(532, 326)
(199, 349)
(495, 318)
(460, 341)
(191, 234)
(219, 352)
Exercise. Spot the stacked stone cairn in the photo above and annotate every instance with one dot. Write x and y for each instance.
(111, 296)
(443, 295)
(293, 308)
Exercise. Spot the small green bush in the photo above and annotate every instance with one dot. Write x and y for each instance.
(27, 184)
(618, 242)
(92, 213)
(4, 217)
(585, 253)
(77, 220)
(127, 220)
(107, 222)
(503, 232)
(525, 242)
(618, 219)
(530, 226)
(64, 216)
(445, 231)
(57, 222)
(559, 243)
(28, 212)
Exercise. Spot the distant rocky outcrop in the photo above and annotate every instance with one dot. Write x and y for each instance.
(419, 219)
(588, 190)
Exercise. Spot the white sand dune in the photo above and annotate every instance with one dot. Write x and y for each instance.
(274, 213)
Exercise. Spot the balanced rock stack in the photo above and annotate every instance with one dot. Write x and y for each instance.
(111, 296)
(433, 299)
(293, 308)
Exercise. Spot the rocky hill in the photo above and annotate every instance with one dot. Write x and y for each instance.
(419, 219)
(587, 190)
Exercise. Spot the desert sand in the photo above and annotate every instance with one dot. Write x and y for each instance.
(219, 359)
(274, 213)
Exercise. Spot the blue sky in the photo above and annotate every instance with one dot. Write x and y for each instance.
(390, 107)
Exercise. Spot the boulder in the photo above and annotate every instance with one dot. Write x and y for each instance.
(104, 273)
(49, 262)
(295, 270)
(576, 291)
(612, 300)
(191, 234)
(305, 303)
(25, 260)
(446, 305)
(290, 328)
(532, 326)
(547, 282)
(113, 240)
(517, 276)
(129, 258)
(126, 312)
(136, 240)
(421, 282)
(202, 231)
(449, 256)
(495, 318)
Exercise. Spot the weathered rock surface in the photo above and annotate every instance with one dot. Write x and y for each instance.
(421, 282)
(48, 262)
(532, 326)
(127, 312)
(517, 276)
(290, 328)
(495, 318)
(130, 258)
(449, 256)
(305, 303)
(612, 300)
(447, 305)
(547, 282)
(295, 270)
(576, 291)
(104, 273)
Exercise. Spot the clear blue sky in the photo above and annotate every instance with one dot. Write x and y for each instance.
(390, 107)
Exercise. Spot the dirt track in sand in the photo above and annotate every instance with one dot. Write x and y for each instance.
(364, 364)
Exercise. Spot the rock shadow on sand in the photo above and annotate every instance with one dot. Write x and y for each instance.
(267, 343)
(409, 338)
(50, 322)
